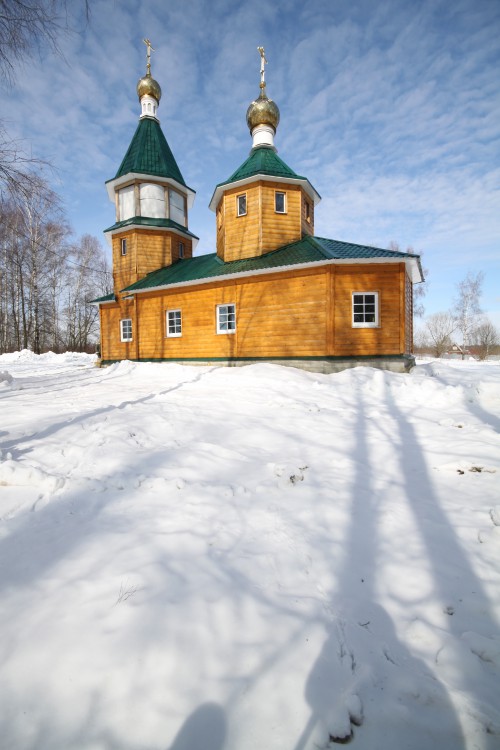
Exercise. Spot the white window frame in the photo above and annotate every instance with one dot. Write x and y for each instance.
(125, 336)
(177, 323)
(239, 212)
(276, 193)
(361, 310)
(123, 246)
(223, 314)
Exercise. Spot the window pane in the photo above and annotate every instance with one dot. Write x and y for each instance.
(177, 212)
(242, 205)
(365, 309)
(126, 207)
(126, 329)
(174, 323)
(226, 318)
(279, 202)
(152, 200)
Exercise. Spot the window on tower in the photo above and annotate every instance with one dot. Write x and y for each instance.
(152, 198)
(177, 207)
(280, 202)
(241, 204)
(126, 203)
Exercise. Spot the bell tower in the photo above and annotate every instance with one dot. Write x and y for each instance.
(150, 195)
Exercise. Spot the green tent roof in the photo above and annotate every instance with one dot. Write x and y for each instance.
(306, 250)
(149, 153)
(263, 160)
(266, 161)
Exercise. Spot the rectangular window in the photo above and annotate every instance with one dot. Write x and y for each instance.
(126, 203)
(152, 200)
(181, 250)
(226, 318)
(126, 329)
(124, 247)
(241, 205)
(365, 310)
(308, 212)
(174, 323)
(280, 203)
(177, 208)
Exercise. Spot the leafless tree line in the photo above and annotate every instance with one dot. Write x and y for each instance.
(46, 279)
(464, 325)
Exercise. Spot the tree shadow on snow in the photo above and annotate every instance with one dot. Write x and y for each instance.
(204, 729)
(365, 685)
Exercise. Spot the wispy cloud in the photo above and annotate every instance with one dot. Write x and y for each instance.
(392, 110)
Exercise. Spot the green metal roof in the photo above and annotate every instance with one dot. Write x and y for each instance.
(145, 221)
(106, 298)
(149, 153)
(306, 250)
(263, 160)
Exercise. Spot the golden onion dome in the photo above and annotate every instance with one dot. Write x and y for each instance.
(263, 111)
(148, 86)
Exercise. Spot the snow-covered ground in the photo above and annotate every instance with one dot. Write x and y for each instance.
(255, 558)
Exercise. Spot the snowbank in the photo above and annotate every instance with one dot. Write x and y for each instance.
(248, 558)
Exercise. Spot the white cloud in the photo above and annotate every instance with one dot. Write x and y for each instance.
(391, 110)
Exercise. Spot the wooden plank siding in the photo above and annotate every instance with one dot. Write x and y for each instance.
(381, 278)
(280, 229)
(261, 230)
(297, 313)
(307, 226)
(147, 250)
(408, 315)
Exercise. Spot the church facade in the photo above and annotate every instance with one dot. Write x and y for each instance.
(273, 291)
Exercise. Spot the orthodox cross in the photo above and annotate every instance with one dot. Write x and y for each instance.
(263, 62)
(148, 57)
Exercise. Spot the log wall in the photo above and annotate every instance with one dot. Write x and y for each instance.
(302, 313)
(147, 250)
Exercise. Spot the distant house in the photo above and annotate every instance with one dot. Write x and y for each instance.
(273, 291)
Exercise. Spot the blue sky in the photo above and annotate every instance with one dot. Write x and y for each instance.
(391, 109)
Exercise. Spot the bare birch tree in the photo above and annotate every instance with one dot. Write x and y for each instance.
(467, 308)
(485, 338)
(439, 328)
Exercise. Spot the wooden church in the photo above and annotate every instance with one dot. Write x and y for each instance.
(272, 292)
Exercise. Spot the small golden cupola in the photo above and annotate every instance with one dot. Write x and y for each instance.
(264, 204)
(148, 90)
(263, 115)
(150, 195)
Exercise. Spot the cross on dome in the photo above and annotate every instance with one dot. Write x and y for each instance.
(150, 49)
